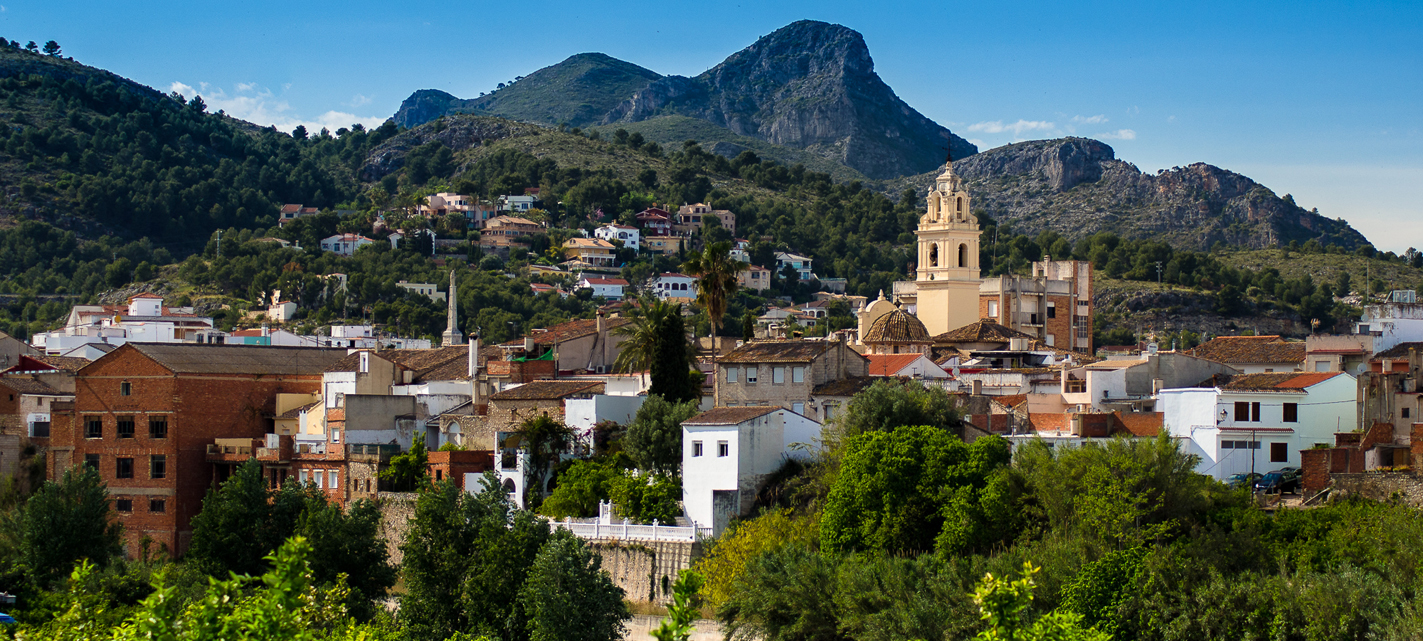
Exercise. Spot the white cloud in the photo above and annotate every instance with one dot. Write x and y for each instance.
(359, 100)
(1089, 120)
(1120, 134)
(1017, 128)
(259, 105)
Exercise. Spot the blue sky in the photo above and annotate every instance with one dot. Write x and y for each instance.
(1321, 100)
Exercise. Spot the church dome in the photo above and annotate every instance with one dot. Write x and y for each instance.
(897, 326)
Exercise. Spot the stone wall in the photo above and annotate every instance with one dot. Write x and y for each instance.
(396, 511)
(646, 570)
(1380, 486)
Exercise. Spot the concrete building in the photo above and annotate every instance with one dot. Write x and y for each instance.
(1338, 353)
(344, 244)
(145, 319)
(498, 428)
(728, 452)
(1132, 385)
(693, 218)
(1259, 422)
(606, 288)
(1054, 305)
(665, 245)
(673, 286)
(145, 414)
(628, 234)
(1398, 321)
(754, 278)
(290, 212)
(593, 251)
(1253, 354)
(801, 265)
(428, 290)
(12, 348)
(784, 373)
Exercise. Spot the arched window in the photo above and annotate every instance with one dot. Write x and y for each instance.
(508, 486)
(933, 254)
(963, 255)
(959, 207)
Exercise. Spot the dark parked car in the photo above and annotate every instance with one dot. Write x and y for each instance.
(1281, 480)
(1243, 480)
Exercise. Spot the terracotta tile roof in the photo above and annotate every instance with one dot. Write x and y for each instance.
(897, 326)
(1276, 381)
(606, 281)
(1138, 423)
(296, 411)
(779, 351)
(548, 390)
(729, 415)
(1398, 351)
(29, 385)
(984, 331)
(63, 363)
(564, 332)
(187, 358)
(456, 369)
(1250, 349)
(890, 364)
(845, 386)
(417, 360)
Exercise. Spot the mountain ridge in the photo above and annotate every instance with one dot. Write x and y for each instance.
(1077, 186)
(809, 85)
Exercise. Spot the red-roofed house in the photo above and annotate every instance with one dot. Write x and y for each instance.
(911, 365)
(1259, 422)
(657, 222)
(609, 288)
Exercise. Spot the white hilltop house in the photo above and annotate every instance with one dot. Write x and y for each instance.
(144, 320)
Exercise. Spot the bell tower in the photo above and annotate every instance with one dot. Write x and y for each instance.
(947, 272)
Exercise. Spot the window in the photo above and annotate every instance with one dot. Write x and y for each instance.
(798, 408)
(1052, 310)
(1255, 412)
(158, 427)
(302, 477)
(1279, 452)
(125, 388)
(723, 449)
(157, 466)
(319, 478)
(993, 309)
(797, 374)
(125, 427)
(157, 506)
(93, 427)
(696, 448)
(335, 436)
(1242, 411)
(92, 461)
(40, 429)
(1405, 415)
(778, 375)
(439, 475)
(731, 374)
(1292, 413)
(1321, 366)
(335, 480)
(123, 468)
(751, 375)
(123, 505)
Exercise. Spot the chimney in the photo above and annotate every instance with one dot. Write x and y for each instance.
(602, 326)
(528, 344)
(1156, 385)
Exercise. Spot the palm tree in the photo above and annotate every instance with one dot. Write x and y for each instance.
(716, 281)
(639, 347)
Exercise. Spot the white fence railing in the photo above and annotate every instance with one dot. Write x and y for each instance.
(626, 531)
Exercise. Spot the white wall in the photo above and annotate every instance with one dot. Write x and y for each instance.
(704, 474)
(583, 413)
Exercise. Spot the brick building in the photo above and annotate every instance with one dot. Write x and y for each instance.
(1054, 305)
(145, 414)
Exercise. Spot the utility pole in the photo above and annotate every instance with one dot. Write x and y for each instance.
(1158, 272)
(219, 243)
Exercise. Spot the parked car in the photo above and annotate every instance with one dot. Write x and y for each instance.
(1246, 479)
(1282, 480)
(6, 619)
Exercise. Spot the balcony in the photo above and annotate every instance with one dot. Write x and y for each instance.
(229, 450)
